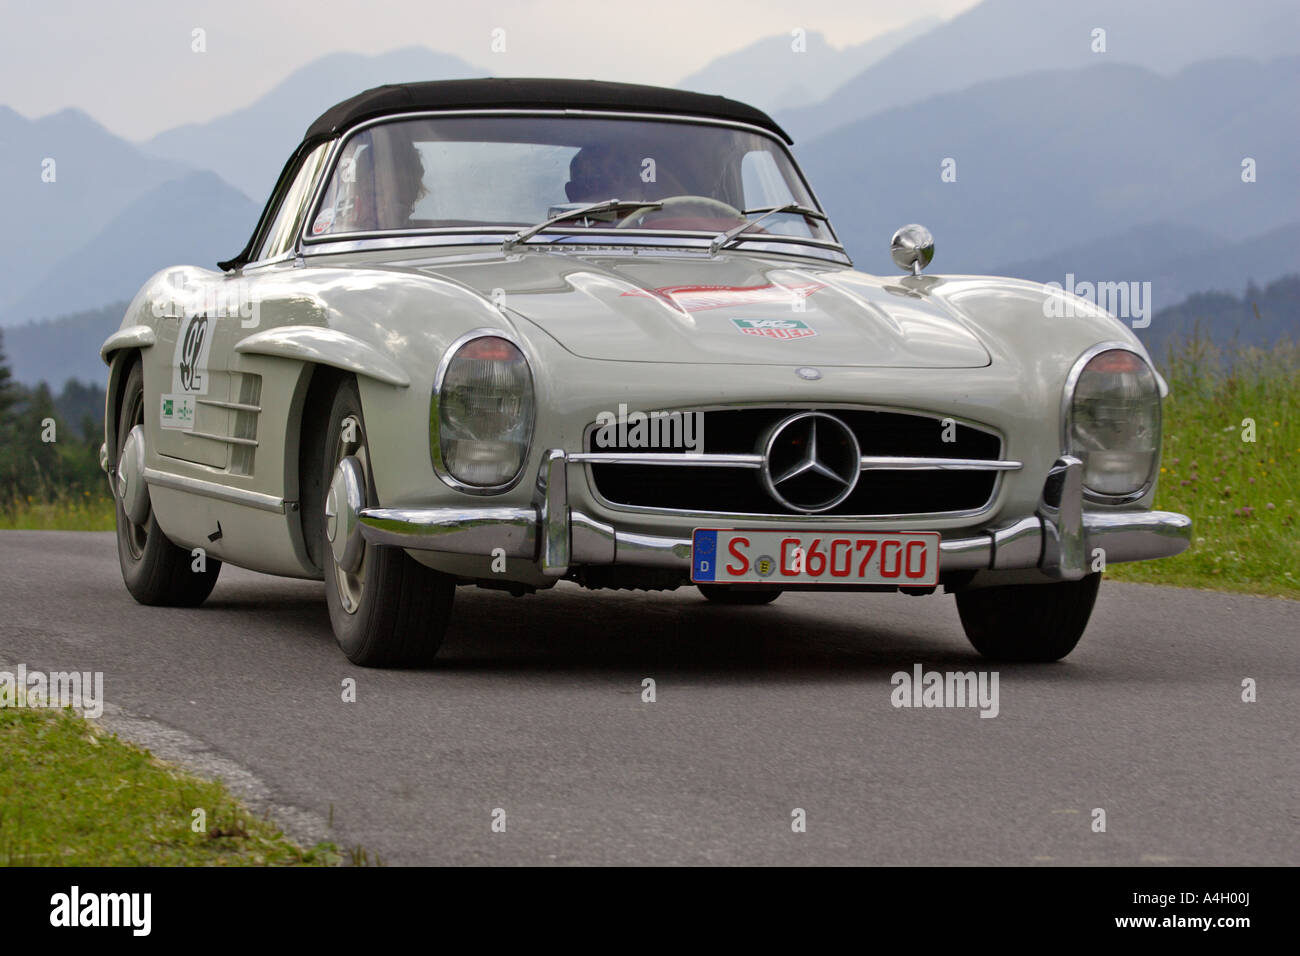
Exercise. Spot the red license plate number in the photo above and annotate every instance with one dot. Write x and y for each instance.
(815, 557)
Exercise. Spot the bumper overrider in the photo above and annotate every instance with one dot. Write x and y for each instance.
(1059, 539)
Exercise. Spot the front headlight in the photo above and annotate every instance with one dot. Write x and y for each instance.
(485, 412)
(1114, 423)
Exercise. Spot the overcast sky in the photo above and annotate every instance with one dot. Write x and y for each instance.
(129, 64)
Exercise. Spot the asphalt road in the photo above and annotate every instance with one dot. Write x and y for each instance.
(536, 708)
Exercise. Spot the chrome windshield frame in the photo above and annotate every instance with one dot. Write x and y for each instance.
(558, 234)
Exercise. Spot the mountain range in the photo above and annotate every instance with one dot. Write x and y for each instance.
(62, 179)
(1051, 160)
(249, 146)
(1178, 261)
(194, 220)
(1123, 165)
(1006, 38)
(785, 72)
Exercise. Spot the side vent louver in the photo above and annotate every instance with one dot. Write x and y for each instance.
(245, 426)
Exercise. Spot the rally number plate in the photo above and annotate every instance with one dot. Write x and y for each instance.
(815, 557)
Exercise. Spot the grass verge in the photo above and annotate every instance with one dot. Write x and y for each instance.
(1231, 460)
(61, 511)
(72, 795)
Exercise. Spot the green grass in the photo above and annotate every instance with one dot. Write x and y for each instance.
(1242, 496)
(71, 795)
(61, 511)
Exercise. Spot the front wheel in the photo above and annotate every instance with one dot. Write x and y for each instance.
(154, 570)
(1028, 622)
(386, 609)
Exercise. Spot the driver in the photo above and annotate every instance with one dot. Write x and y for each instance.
(603, 171)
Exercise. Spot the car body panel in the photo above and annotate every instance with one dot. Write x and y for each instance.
(733, 308)
(603, 321)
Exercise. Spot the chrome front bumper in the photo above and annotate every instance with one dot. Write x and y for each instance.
(1059, 539)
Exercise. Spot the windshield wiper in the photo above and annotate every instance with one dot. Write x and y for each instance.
(606, 205)
(722, 240)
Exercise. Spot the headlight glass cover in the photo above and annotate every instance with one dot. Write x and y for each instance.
(485, 412)
(1114, 424)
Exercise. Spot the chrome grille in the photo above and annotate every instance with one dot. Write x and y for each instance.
(907, 467)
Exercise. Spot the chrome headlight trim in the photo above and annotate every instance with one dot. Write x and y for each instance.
(1067, 415)
(435, 417)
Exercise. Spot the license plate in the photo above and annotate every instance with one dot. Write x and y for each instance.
(818, 557)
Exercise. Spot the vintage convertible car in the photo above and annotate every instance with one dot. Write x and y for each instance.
(508, 333)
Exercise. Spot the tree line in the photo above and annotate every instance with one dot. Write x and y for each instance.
(49, 444)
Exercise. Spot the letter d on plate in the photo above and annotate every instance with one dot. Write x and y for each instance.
(704, 555)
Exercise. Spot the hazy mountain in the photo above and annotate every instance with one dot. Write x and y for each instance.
(772, 76)
(1051, 161)
(1003, 38)
(249, 146)
(1260, 316)
(96, 175)
(56, 350)
(196, 219)
(1176, 260)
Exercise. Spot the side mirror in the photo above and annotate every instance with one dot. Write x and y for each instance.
(912, 248)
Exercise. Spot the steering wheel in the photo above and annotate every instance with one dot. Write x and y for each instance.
(676, 206)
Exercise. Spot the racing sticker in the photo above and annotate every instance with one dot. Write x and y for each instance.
(190, 363)
(323, 222)
(698, 298)
(177, 412)
(784, 329)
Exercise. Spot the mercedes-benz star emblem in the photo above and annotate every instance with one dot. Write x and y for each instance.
(811, 462)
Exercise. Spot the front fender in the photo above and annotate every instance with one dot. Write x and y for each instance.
(390, 328)
(325, 346)
(129, 337)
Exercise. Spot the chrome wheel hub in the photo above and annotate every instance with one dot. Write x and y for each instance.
(344, 500)
(343, 504)
(130, 485)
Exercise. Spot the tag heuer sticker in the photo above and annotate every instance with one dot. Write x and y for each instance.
(775, 328)
(177, 412)
(323, 221)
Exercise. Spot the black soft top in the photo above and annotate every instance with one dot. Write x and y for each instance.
(503, 93)
(517, 93)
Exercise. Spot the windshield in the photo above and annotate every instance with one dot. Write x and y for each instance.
(508, 172)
